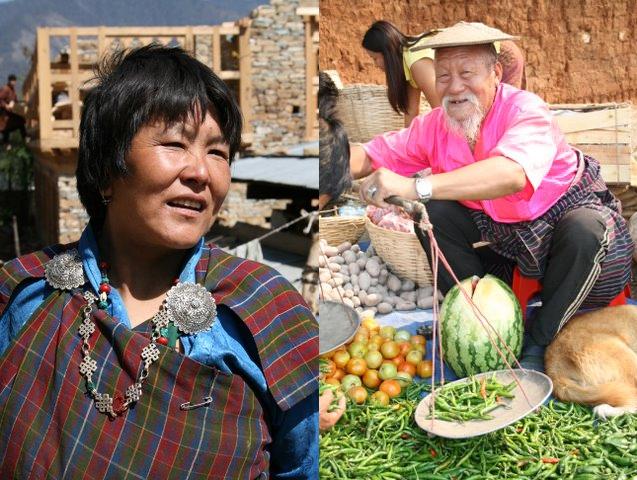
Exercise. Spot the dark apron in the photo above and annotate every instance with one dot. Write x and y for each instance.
(50, 428)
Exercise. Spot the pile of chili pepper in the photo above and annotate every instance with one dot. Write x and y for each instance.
(559, 441)
(472, 399)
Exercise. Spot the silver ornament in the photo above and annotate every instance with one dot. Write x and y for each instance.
(191, 307)
(65, 271)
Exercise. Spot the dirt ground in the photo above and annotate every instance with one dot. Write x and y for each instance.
(577, 51)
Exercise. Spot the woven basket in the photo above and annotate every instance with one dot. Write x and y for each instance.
(336, 230)
(402, 252)
(365, 111)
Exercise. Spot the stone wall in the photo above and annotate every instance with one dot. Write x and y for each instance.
(72, 218)
(277, 46)
(239, 208)
(577, 51)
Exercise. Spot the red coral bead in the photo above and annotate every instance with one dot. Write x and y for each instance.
(103, 265)
(105, 288)
(162, 340)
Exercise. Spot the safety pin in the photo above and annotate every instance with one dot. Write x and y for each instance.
(191, 406)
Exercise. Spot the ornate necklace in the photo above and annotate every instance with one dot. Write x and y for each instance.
(188, 308)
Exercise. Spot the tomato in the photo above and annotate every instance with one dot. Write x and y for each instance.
(332, 381)
(327, 368)
(421, 347)
(398, 360)
(387, 332)
(360, 338)
(363, 330)
(341, 358)
(371, 378)
(370, 324)
(357, 349)
(413, 357)
(380, 398)
(403, 378)
(372, 347)
(424, 368)
(376, 340)
(402, 336)
(389, 349)
(390, 387)
(357, 394)
(387, 371)
(339, 373)
(404, 347)
(407, 367)
(356, 366)
(418, 340)
(373, 358)
(350, 381)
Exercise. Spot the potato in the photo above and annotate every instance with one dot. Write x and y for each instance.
(353, 268)
(364, 280)
(361, 262)
(372, 299)
(324, 274)
(330, 251)
(356, 301)
(382, 277)
(408, 296)
(373, 281)
(360, 254)
(373, 267)
(322, 261)
(359, 310)
(403, 305)
(334, 267)
(407, 285)
(348, 286)
(394, 283)
(326, 288)
(372, 289)
(425, 302)
(349, 256)
(344, 246)
(385, 307)
(355, 248)
(369, 312)
(348, 302)
(370, 251)
(337, 259)
(362, 295)
(356, 289)
(425, 291)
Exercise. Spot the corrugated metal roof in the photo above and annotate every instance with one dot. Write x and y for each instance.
(295, 171)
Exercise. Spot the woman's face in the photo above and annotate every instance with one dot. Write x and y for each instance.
(377, 57)
(178, 177)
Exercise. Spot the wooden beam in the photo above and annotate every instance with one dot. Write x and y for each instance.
(74, 90)
(245, 75)
(616, 174)
(615, 154)
(593, 120)
(216, 50)
(44, 81)
(620, 136)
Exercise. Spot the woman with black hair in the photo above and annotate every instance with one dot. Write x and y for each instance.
(409, 66)
(140, 352)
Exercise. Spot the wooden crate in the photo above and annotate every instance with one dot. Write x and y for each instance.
(602, 131)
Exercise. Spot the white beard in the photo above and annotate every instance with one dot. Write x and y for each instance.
(468, 127)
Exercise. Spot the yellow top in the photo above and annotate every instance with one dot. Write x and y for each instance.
(410, 56)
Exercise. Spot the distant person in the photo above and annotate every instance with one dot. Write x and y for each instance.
(409, 66)
(10, 121)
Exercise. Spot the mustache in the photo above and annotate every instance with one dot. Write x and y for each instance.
(470, 97)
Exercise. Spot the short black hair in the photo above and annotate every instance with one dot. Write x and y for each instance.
(334, 173)
(11, 77)
(135, 88)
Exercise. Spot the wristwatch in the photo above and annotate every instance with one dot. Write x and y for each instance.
(423, 189)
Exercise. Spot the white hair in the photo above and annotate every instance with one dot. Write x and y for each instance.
(469, 126)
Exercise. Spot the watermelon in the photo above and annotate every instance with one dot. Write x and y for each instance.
(466, 345)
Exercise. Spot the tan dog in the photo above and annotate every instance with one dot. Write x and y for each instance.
(593, 361)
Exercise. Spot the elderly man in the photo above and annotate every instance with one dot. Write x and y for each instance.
(503, 172)
(10, 121)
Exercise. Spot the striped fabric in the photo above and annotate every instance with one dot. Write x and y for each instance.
(528, 243)
(49, 428)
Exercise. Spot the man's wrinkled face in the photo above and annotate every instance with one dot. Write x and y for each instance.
(466, 82)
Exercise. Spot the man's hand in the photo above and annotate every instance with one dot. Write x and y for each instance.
(384, 183)
(328, 419)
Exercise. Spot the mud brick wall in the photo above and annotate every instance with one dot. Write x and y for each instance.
(277, 46)
(577, 51)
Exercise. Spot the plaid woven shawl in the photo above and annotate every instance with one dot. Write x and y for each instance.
(49, 428)
(529, 243)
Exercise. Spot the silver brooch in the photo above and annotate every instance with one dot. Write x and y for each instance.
(65, 271)
(191, 307)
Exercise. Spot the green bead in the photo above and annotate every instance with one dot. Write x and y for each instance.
(90, 385)
(104, 279)
(163, 331)
(102, 305)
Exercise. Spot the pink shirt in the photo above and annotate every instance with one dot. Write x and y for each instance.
(519, 126)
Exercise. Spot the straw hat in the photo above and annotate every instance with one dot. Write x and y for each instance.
(466, 33)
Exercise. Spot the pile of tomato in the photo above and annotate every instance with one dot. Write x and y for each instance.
(381, 360)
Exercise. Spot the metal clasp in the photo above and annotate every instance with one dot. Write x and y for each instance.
(191, 406)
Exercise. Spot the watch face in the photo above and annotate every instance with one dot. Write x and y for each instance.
(423, 188)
